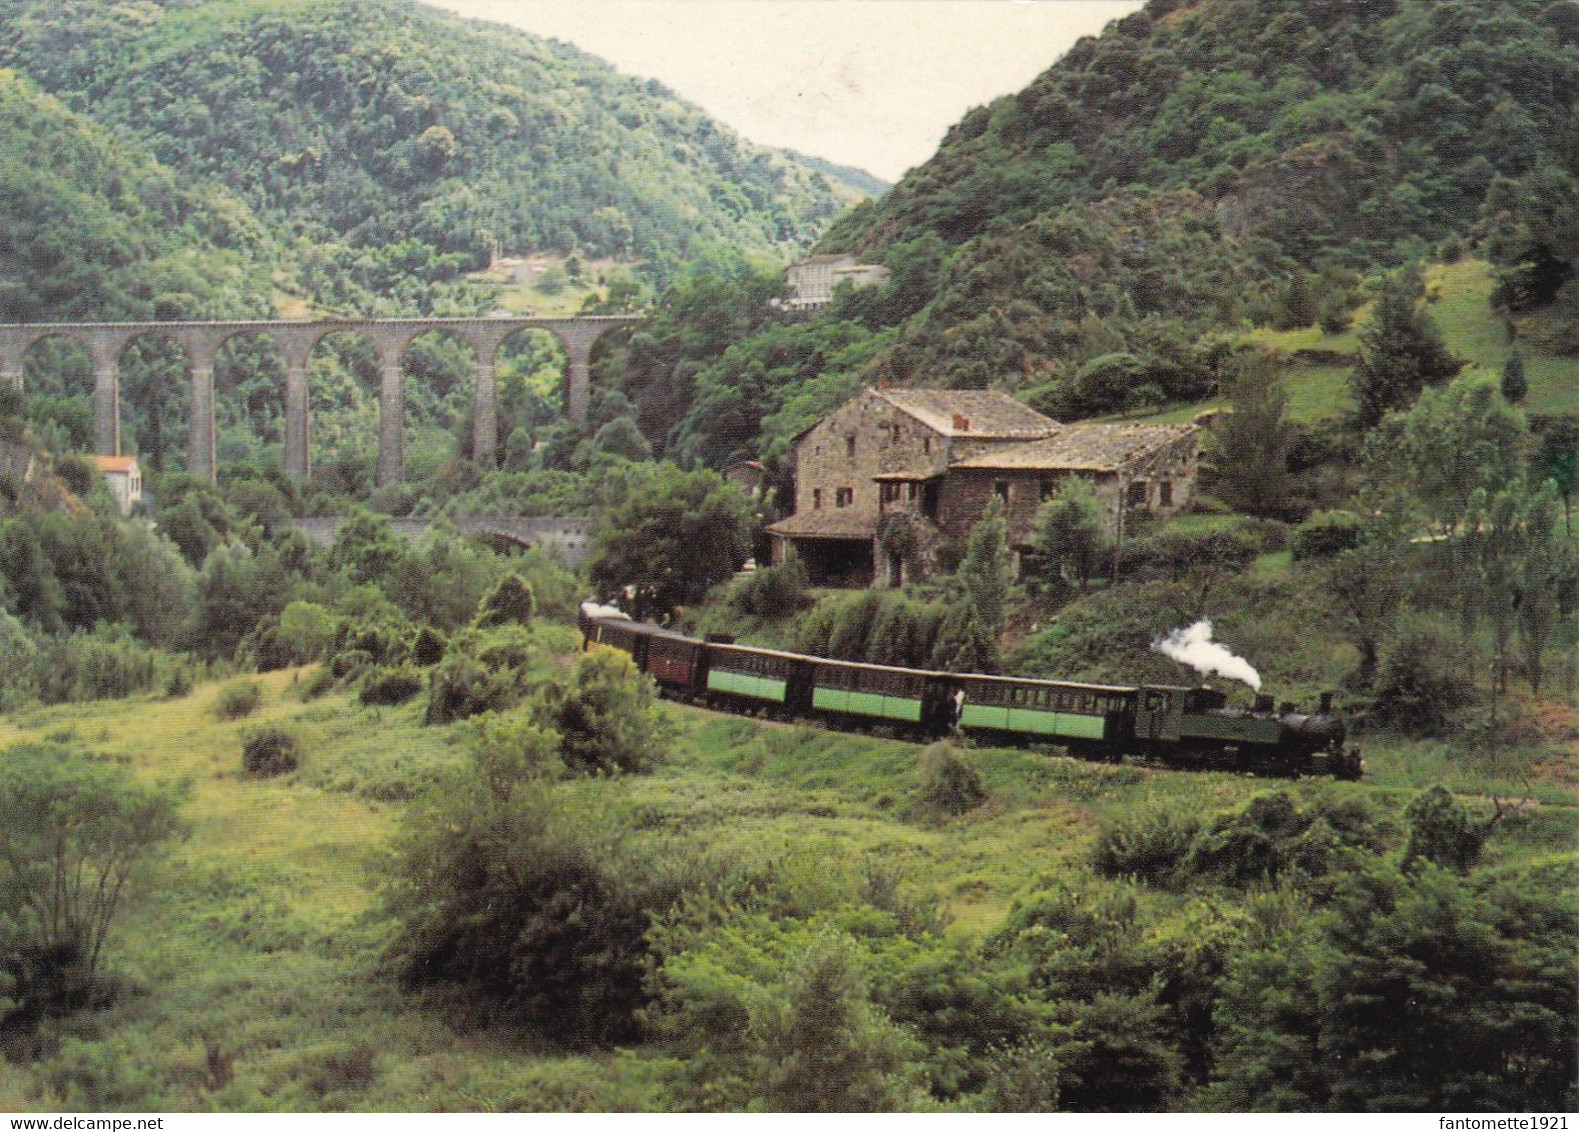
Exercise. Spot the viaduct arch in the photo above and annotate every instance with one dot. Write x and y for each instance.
(295, 339)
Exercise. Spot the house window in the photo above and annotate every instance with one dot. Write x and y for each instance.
(816, 498)
(910, 491)
(849, 447)
(1049, 489)
(1000, 488)
(1137, 494)
(926, 445)
(1165, 493)
(844, 497)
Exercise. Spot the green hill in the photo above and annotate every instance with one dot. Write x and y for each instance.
(411, 144)
(1199, 170)
(92, 227)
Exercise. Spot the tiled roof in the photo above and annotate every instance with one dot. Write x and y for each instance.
(1083, 448)
(983, 412)
(115, 463)
(836, 523)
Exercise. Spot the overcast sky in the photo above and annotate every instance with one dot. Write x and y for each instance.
(869, 83)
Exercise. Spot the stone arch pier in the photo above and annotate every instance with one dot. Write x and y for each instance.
(295, 339)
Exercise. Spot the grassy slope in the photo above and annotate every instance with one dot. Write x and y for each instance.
(1459, 301)
(262, 937)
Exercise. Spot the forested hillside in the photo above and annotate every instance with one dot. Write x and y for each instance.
(91, 227)
(1198, 169)
(391, 143)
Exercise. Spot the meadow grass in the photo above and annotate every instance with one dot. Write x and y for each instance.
(254, 962)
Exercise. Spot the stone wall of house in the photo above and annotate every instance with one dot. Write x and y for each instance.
(1169, 472)
(863, 438)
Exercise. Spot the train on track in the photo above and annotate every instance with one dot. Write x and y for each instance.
(1177, 725)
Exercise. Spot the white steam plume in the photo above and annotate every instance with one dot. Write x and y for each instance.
(593, 609)
(1194, 646)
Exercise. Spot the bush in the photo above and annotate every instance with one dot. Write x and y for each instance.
(269, 752)
(1423, 678)
(178, 683)
(76, 834)
(1148, 848)
(526, 910)
(511, 603)
(395, 686)
(349, 662)
(428, 649)
(105, 664)
(609, 720)
(1325, 534)
(774, 592)
(316, 685)
(952, 784)
(238, 700)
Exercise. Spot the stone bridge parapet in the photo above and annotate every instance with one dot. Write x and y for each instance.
(296, 338)
(571, 536)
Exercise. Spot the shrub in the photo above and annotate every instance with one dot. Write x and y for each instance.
(101, 665)
(526, 910)
(349, 662)
(511, 603)
(1423, 678)
(428, 649)
(461, 686)
(394, 686)
(270, 752)
(952, 784)
(316, 685)
(1441, 831)
(609, 720)
(238, 700)
(76, 834)
(774, 592)
(1149, 847)
(178, 683)
(1325, 534)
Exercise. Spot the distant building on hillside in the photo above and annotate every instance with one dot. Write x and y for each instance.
(812, 280)
(125, 479)
(889, 476)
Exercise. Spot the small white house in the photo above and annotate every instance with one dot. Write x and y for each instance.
(125, 479)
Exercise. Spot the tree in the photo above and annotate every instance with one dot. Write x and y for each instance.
(969, 640)
(1253, 441)
(1401, 353)
(1514, 384)
(75, 836)
(1369, 580)
(675, 536)
(1557, 458)
(1452, 443)
(1071, 533)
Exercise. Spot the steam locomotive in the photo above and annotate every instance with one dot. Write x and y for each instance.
(1177, 725)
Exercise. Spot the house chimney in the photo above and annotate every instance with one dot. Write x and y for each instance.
(961, 422)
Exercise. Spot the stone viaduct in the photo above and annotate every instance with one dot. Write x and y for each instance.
(295, 339)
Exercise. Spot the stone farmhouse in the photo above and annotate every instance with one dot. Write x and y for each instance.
(812, 280)
(885, 479)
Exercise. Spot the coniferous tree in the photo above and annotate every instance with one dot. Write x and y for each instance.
(1253, 442)
(1514, 384)
(1402, 352)
(969, 639)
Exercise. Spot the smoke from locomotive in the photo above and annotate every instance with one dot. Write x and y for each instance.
(1194, 646)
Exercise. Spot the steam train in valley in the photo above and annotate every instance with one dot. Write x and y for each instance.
(1180, 726)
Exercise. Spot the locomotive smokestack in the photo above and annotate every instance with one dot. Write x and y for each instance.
(1264, 703)
(1326, 703)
